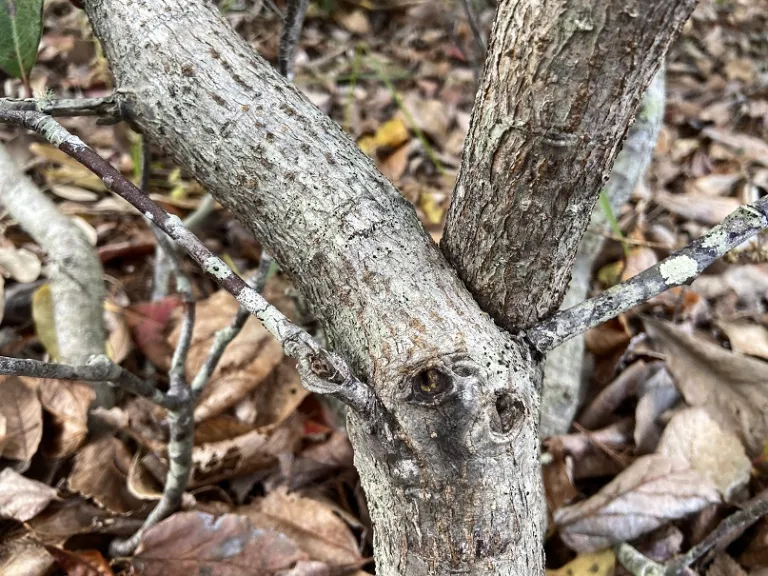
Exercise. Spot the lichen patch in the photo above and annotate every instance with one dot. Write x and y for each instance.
(679, 269)
(217, 268)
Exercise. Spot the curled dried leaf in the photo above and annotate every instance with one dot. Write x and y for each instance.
(23, 418)
(652, 491)
(732, 388)
(21, 498)
(196, 543)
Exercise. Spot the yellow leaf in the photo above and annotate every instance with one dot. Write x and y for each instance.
(390, 135)
(431, 208)
(594, 564)
(368, 145)
(610, 274)
(45, 326)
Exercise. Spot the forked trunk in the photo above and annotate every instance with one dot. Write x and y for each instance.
(451, 471)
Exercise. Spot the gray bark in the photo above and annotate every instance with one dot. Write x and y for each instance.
(74, 270)
(562, 81)
(563, 365)
(452, 480)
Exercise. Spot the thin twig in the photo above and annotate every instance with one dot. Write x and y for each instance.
(98, 369)
(742, 519)
(224, 337)
(678, 269)
(636, 563)
(107, 108)
(469, 10)
(289, 37)
(322, 372)
(639, 565)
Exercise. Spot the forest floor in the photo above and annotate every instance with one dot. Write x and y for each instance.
(681, 379)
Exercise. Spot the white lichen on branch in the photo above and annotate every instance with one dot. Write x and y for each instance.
(677, 269)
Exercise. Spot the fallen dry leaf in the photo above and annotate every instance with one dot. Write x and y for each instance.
(746, 338)
(659, 395)
(732, 388)
(320, 533)
(81, 563)
(20, 264)
(714, 184)
(21, 498)
(748, 147)
(697, 206)
(245, 364)
(141, 483)
(243, 454)
(2, 297)
(320, 459)
(355, 21)
(198, 543)
(3, 432)
(756, 553)
(652, 491)
(717, 455)
(147, 322)
(391, 135)
(394, 165)
(23, 418)
(433, 117)
(724, 565)
(22, 556)
(66, 518)
(280, 395)
(594, 564)
(67, 402)
(640, 258)
(100, 472)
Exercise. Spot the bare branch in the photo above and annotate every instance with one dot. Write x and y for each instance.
(740, 520)
(636, 563)
(553, 106)
(477, 34)
(322, 372)
(107, 109)
(678, 269)
(562, 367)
(289, 37)
(224, 337)
(99, 369)
(74, 270)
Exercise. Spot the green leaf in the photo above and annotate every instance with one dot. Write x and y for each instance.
(21, 24)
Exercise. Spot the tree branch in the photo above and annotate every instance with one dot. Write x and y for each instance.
(224, 337)
(98, 369)
(290, 35)
(553, 106)
(639, 565)
(107, 109)
(562, 366)
(74, 270)
(678, 269)
(322, 372)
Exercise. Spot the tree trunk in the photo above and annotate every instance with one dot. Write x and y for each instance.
(562, 82)
(452, 475)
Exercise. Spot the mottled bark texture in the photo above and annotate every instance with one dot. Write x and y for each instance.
(74, 270)
(458, 490)
(562, 81)
(563, 365)
(452, 478)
